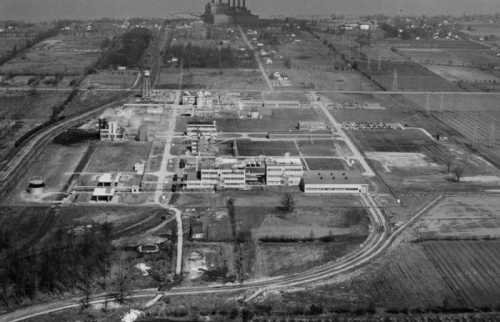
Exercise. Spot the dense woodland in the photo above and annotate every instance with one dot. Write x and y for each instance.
(128, 49)
(69, 260)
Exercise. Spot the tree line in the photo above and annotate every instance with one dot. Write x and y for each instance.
(69, 260)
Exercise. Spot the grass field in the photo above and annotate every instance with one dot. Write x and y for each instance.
(392, 140)
(326, 164)
(110, 157)
(284, 258)
(407, 76)
(319, 148)
(55, 165)
(268, 148)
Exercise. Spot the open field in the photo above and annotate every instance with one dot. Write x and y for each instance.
(440, 274)
(268, 148)
(309, 64)
(467, 74)
(227, 79)
(110, 157)
(326, 164)
(63, 54)
(319, 147)
(393, 140)
(462, 217)
(423, 277)
(456, 58)
(406, 76)
(274, 259)
(21, 112)
(281, 119)
(19, 105)
(270, 235)
(55, 165)
(111, 79)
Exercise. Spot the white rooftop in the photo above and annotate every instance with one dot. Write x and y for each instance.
(103, 192)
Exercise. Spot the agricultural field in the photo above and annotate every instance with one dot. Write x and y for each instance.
(474, 216)
(109, 157)
(63, 54)
(423, 277)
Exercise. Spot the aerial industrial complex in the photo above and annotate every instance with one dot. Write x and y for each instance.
(226, 167)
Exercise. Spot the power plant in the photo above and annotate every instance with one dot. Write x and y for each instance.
(221, 12)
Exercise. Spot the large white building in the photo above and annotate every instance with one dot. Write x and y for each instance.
(286, 171)
(221, 173)
(331, 182)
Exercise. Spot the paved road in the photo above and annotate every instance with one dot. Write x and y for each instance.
(319, 102)
(257, 58)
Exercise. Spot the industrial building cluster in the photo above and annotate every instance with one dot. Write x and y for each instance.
(230, 12)
(233, 173)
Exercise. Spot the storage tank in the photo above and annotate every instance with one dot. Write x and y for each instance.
(36, 186)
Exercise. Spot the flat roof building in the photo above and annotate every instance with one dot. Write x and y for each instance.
(103, 194)
(331, 182)
(286, 171)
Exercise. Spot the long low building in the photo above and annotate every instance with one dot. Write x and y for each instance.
(331, 182)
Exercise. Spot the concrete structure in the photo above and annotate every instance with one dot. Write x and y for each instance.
(331, 182)
(229, 12)
(103, 194)
(284, 171)
(111, 131)
(36, 186)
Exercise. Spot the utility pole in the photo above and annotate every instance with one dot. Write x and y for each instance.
(492, 138)
(395, 82)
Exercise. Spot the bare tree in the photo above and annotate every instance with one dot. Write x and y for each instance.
(288, 203)
(122, 283)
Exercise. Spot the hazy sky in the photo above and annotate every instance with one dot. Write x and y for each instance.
(53, 9)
